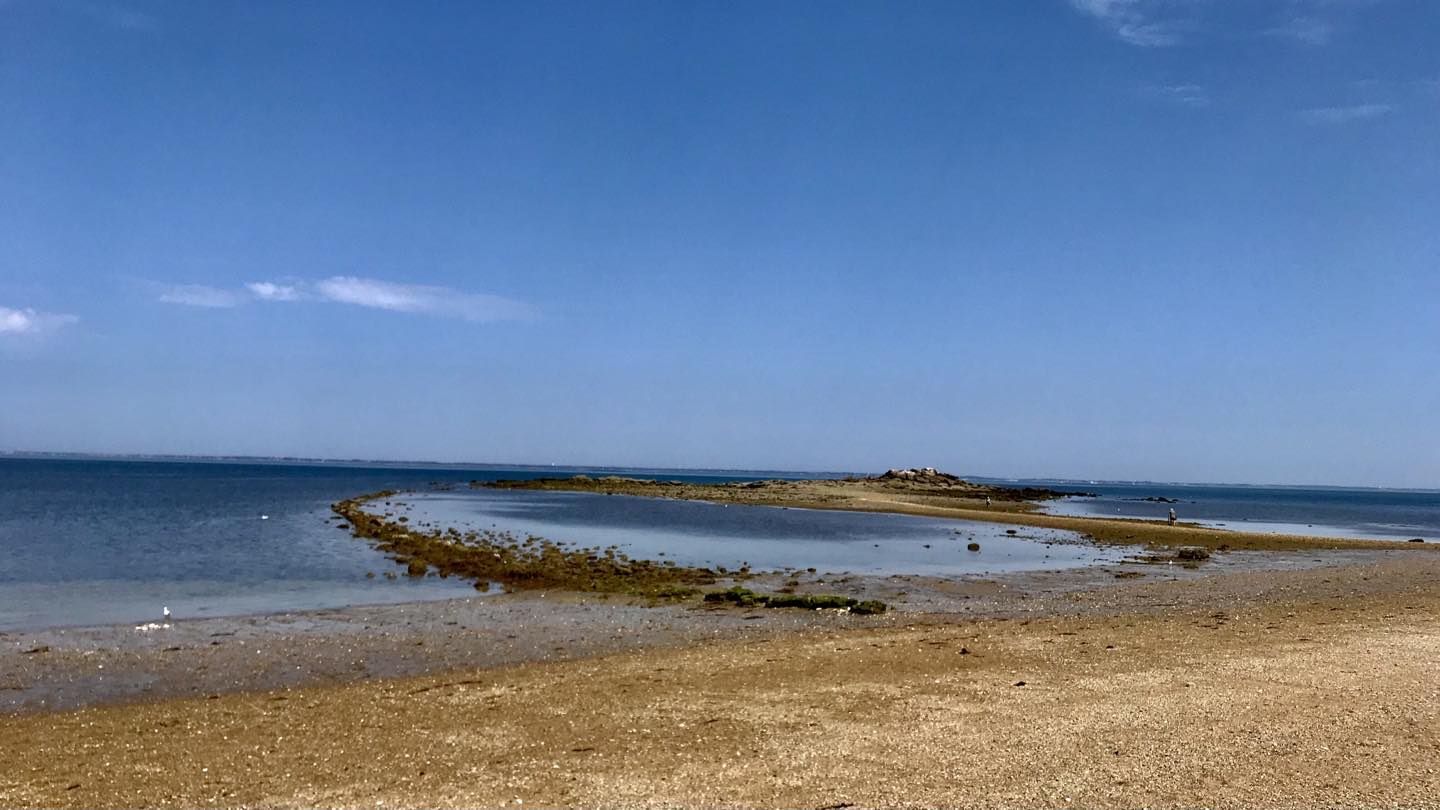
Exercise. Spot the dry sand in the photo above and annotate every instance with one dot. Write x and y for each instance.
(1310, 688)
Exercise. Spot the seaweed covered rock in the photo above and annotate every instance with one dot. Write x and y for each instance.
(744, 597)
(532, 562)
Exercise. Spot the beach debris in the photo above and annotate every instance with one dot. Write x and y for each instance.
(43, 648)
(1192, 554)
(152, 626)
(1019, 683)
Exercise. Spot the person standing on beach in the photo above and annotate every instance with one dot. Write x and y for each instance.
(1172, 516)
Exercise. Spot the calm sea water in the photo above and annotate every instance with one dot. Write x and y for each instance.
(1384, 514)
(105, 541)
(94, 542)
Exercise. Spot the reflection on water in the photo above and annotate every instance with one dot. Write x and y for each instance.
(767, 538)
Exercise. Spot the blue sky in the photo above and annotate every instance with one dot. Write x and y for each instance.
(1159, 239)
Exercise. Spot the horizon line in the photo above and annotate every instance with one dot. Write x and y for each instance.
(320, 460)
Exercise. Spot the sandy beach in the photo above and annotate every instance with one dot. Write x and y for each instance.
(1230, 688)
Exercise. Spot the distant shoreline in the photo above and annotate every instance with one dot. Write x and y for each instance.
(953, 498)
(729, 472)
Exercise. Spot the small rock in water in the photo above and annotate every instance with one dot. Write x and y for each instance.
(973, 546)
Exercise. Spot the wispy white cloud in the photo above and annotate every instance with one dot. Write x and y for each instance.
(199, 295)
(1345, 115)
(422, 299)
(29, 322)
(118, 16)
(419, 298)
(1161, 23)
(270, 291)
(1189, 95)
(1306, 28)
(1146, 23)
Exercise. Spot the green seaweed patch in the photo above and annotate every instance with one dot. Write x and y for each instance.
(1189, 557)
(744, 597)
(531, 562)
(869, 607)
(811, 601)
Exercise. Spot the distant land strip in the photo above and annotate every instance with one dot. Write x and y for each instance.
(930, 493)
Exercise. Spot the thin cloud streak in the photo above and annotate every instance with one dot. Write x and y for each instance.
(29, 322)
(120, 16)
(421, 299)
(199, 295)
(1189, 95)
(1133, 21)
(270, 291)
(1165, 23)
(1306, 29)
(1345, 115)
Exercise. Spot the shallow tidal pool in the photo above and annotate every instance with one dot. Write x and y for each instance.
(766, 538)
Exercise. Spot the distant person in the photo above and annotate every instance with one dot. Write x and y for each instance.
(1172, 516)
(987, 500)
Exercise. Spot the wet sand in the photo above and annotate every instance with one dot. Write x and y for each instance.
(68, 668)
(1223, 688)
